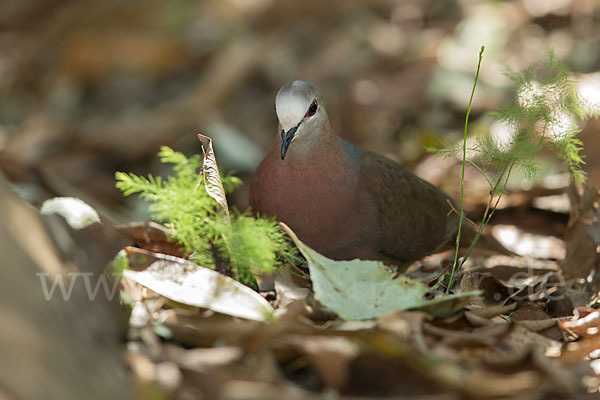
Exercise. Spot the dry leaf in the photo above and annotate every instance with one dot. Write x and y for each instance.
(151, 236)
(212, 178)
(583, 235)
(588, 325)
(185, 282)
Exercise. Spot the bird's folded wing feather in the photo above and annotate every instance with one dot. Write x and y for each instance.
(415, 218)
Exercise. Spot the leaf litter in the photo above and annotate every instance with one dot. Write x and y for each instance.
(516, 327)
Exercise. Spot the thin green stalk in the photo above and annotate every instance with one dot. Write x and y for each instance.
(482, 172)
(494, 190)
(462, 178)
(532, 121)
(487, 217)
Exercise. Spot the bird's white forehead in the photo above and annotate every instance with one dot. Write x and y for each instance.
(292, 101)
(290, 109)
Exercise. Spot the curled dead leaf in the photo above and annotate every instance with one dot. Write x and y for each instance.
(587, 325)
(210, 171)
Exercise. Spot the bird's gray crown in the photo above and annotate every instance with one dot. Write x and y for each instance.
(292, 101)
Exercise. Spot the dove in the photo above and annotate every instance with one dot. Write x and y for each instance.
(344, 201)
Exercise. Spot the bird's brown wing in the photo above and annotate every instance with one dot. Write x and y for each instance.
(414, 217)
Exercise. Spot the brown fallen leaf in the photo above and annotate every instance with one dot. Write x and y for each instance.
(406, 325)
(152, 236)
(482, 384)
(204, 359)
(462, 338)
(522, 339)
(476, 320)
(587, 325)
(539, 325)
(492, 311)
(206, 330)
(329, 355)
(494, 291)
(583, 233)
(289, 290)
(577, 351)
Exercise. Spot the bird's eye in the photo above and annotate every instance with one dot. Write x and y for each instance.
(312, 109)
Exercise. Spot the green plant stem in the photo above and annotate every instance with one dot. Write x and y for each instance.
(482, 172)
(462, 178)
(487, 217)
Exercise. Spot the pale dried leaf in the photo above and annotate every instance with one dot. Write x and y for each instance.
(188, 283)
(212, 178)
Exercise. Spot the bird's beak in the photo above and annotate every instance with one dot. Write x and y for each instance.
(286, 139)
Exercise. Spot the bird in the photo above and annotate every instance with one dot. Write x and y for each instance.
(344, 201)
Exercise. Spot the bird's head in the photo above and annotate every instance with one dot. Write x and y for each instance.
(301, 113)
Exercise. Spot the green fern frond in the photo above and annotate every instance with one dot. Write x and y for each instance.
(181, 203)
(543, 100)
(542, 114)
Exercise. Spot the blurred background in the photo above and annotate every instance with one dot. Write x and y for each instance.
(92, 87)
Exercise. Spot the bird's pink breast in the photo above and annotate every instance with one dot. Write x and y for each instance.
(317, 199)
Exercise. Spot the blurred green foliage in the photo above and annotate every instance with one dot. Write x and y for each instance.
(183, 205)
